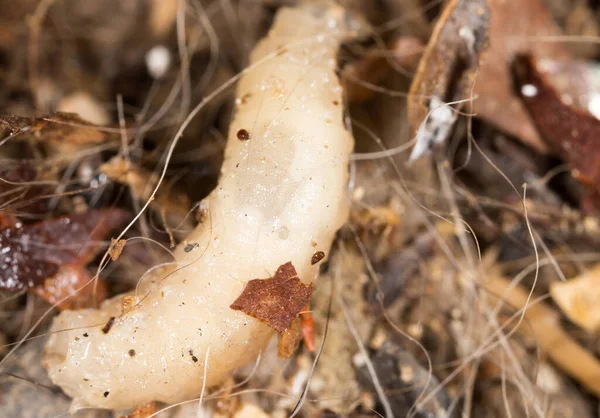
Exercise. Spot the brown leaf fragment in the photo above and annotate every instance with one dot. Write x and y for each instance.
(68, 284)
(571, 131)
(31, 253)
(116, 248)
(143, 411)
(290, 339)
(515, 27)
(276, 301)
(68, 128)
(447, 71)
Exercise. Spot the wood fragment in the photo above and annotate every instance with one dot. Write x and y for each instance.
(543, 323)
(579, 299)
(446, 72)
(276, 301)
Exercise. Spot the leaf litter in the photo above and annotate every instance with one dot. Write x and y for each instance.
(444, 333)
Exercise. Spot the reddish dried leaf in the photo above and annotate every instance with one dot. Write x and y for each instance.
(290, 339)
(308, 329)
(31, 253)
(514, 27)
(276, 301)
(64, 285)
(571, 131)
(15, 124)
(446, 71)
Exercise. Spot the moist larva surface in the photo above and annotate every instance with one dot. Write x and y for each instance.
(281, 197)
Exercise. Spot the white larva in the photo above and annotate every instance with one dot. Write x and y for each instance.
(281, 197)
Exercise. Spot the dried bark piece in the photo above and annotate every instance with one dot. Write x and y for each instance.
(31, 253)
(276, 301)
(579, 299)
(447, 71)
(290, 339)
(514, 27)
(571, 131)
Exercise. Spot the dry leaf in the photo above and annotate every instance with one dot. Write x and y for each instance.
(571, 131)
(447, 71)
(290, 339)
(276, 301)
(31, 253)
(579, 299)
(68, 128)
(65, 283)
(513, 29)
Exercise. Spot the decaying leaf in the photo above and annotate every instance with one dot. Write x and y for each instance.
(290, 339)
(515, 27)
(31, 253)
(447, 71)
(579, 299)
(276, 301)
(571, 131)
(66, 282)
(15, 124)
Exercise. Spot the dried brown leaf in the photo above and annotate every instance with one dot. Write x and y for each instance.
(116, 248)
(276, 301)
(68, 128)
(64, 285)
(31, 253)
(514, 27)
(571, 131)
(447, 71)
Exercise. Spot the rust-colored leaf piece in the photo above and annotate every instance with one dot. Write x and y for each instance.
(446, 71)
(276, 301)
(143, 411)
(515, 27)
(31, 253)
(571, 131)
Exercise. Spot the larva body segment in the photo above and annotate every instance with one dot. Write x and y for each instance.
(281, 197)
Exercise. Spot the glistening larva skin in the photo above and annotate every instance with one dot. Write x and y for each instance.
(281, 197)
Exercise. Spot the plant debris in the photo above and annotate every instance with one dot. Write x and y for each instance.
(32, 253)
(276, 301)
(571, 131)
(579, 299)
(446, 72)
